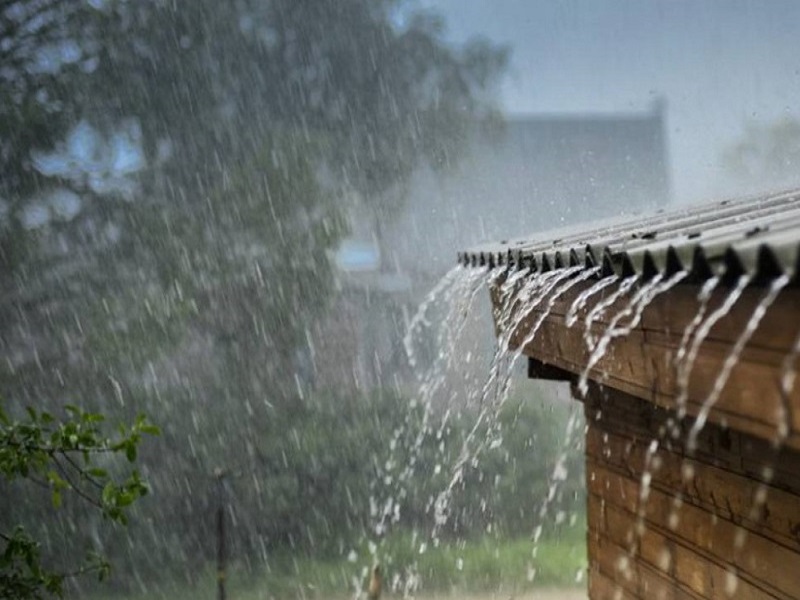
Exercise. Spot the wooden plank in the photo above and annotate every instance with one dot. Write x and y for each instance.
(611, 561)
(693, 572)
(750, 400)
(603, 587)
(642, 362)
(720, 491)
(710, 580)
(674, 310)
(640, 422)
(761, 561)
(635, 578)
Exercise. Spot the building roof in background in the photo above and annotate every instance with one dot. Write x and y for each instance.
(535, 173)
(759, 236)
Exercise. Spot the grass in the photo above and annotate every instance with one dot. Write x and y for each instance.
(483, 565)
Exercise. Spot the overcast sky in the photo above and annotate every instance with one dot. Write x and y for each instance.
(717, 63)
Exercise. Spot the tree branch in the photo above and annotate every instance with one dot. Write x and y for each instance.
(75, 488)
(82, 471)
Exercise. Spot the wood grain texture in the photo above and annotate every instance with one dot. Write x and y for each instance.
(722, 522)
(643, 362)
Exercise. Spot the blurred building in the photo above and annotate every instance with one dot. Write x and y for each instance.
(538, 172)
(533, 173)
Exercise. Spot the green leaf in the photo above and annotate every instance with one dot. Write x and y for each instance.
(125, 499)
(109, 492)
(151, 429)
(97, 472)
(130, 452)
(56, 497)
(103, 571)
(56, 481)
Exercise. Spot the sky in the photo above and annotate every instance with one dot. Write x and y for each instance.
(718, 64)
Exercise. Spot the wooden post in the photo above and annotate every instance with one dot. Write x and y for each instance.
(221, 550)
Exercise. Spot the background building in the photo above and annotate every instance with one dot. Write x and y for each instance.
(533, 173)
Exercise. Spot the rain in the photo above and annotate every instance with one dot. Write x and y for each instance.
(399, 299)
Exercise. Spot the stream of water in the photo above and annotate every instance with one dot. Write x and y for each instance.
(635, 308)
(733, 357)
(523, 301)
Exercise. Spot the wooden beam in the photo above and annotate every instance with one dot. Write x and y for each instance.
(643, 362)
(539, 370)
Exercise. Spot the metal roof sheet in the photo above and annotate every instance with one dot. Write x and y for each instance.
(758, 236)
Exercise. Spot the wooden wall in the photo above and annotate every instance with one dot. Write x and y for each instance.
(720, 522)
(696, 531)
(642, 363)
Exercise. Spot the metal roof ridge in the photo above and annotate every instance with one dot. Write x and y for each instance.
(758, 235)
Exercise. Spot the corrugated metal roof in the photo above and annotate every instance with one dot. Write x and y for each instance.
(757, 236)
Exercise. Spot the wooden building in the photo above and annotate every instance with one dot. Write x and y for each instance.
(693, 418)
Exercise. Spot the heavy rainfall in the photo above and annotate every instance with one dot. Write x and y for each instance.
(247, 350)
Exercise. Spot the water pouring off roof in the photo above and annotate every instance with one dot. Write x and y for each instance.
(679, 334)
(757, 236)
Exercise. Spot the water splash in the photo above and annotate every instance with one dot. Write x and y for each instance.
(787, 381)
(583, 276)
(701, 334)
(571, 282)
(550, 286)
(635, 309)
(444, 313)
(558, 290)
(526, 301)
(530, 294)
(514, 312)
(504, 381)
(702, 297)
(454, 285)
(419, 318)
(733, 357)
(580, 302)
(559, 474)
(599, 309)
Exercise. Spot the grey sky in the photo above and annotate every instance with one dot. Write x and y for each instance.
(718, 64)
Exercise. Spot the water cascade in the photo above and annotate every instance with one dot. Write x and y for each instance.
(733, 357)
(687, 380)
(702, 331)
(643, 297)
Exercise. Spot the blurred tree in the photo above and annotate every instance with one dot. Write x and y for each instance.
(210, 80)
(767, 155)
(172, 176)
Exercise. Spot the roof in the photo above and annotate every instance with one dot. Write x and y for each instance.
(757, 236)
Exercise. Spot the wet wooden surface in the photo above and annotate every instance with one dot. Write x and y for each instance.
(664, 522)
(644, 362)
(719, 518)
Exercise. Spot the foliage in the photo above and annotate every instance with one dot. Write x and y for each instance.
(70, 455)
(189, 289)
(383, 97)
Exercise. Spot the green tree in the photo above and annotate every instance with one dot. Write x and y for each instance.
(188, 291)
(71, 455)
